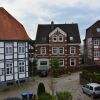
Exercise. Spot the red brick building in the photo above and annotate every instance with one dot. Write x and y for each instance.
(60, 41)
(92, 44)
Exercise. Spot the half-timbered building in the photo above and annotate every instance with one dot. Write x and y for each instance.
(13, 50)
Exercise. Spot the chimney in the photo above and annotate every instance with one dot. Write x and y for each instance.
(52, 24)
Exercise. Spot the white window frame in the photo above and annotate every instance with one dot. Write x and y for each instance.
(96, 41)
(96, 53)
(53, 50)
(9, 68)
(21, 48)
(72, 60)
(72, 50)
(21, 66)
(61, 60)
(71, 38)
(8, 48)
(54, 38)
(60, 36)
(43, 50)
(62, 50)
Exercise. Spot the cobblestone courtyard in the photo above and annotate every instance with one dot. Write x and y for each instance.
(64, 83)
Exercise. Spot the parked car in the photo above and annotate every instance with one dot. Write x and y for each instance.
(92, 89)
(43, 73)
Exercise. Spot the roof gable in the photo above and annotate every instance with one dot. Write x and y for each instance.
(59, 30)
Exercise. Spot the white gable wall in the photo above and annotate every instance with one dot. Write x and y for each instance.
(59, 30)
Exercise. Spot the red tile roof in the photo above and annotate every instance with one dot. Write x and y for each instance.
(10, 28)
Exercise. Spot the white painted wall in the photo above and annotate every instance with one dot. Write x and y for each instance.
(9, 77)
(21, 75)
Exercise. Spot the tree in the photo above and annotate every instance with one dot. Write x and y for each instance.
(35, 62)
(41, 89)
(51, 85)
(55, 63)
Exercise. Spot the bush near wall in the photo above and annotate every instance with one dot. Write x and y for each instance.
(45, 96)
(87, 76)
(61, 71)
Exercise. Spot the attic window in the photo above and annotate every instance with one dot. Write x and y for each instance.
(98, 29)
(71, 38)
(43, 39)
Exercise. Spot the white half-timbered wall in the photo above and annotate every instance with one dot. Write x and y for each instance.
(13, 56)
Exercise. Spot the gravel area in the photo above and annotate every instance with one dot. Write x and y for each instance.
(64, 83)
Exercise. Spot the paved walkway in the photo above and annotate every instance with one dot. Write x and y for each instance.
(65, 83)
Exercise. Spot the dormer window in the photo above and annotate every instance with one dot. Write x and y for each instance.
(55, 38)
(98, 29)
(60, 38)
(71, 38)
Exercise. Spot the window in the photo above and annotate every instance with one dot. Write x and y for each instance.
(43, 50)
(96, 41)
(72, 50)
(61, 62)
(21, 48)
(54, 38)
(97, 88)
(43, 39)
(43, 62)
(1, 71)
(96, 53)
(21, 66)
(72, 62)
(98, 29)
(71, 38)
(54, 50)
(9, 68)
(91, 88)
(8, 48)
(61, 50)
(60, 38)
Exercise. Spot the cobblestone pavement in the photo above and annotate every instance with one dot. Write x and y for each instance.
(64, 83)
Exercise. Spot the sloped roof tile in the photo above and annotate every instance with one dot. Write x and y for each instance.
(10, 28)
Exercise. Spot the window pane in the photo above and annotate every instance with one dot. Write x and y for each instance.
(61, 50)
(97, 88)
(43, 62)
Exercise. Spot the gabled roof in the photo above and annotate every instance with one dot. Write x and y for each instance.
(10, 28)
(44, 30)
(92, 30)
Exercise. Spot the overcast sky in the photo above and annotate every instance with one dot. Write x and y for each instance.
(33, 12)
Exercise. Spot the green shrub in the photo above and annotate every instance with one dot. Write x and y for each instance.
(64, 96)
(41, 89)
(45, 96)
